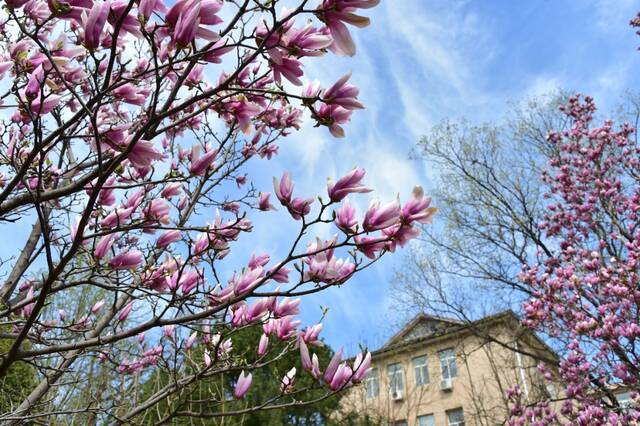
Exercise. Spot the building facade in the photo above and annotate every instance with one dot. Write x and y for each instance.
(438, 372)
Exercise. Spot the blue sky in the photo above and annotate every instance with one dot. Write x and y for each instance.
(420, 62)
(423, 61)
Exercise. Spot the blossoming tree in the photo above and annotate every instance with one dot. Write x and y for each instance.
(124, 124)
(585, 287)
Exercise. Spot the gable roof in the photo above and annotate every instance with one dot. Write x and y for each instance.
(413, 333)
(423, 325)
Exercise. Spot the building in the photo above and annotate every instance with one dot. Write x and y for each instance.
(439, 371)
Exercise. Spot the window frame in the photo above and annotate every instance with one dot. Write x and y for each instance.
(452, 411)
(372, 383)
(422, 369)
(399, 371)
(426, 416)
(450, 361)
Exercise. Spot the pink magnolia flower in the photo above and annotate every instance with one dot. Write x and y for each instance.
(169, 330)
(190, 280)
(124, 313)
(341, 377)
(343, 94)
(27, 310)
(93, 23)
(307, 41)
(158, 211)
(103, 246)
(350, 183)
(242, 385)
(248, 280)
(333, 116)
(262, 345)
(370, 246)
(206, 358)
(131, 94)
(287, 307)
(243, 111)
(346, 217)
(300, 207)
(335, 13)
(284, 188)
(129, 22)
(168, 238)
(285, 327)
(288, 379)
(191, 340)
(380, 217)
(287, 67)
(308, 363)
(281, 275)
(399, 234)
(188, 22)
(202, 243)
(311, 89)
(43, 106)
(315, 367)
(311, 334)
(200, 164)
(35, 83)
(117, 217)
(127, 260)
(97, 306)
(258, 261)
(263, 202)
(171, 190)
(147, 7)
(361, 367)
(333, 366)
(417, 208)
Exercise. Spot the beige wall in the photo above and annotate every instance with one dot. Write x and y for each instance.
(485, 371)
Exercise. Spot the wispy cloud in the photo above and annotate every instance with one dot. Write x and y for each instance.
(418, 63)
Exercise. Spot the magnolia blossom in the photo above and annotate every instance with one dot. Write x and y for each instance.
(262, 345)
(263, 202)
(379, 217)
(124, 313)
(127, 260)
(346, 185)
(168, 238)
(242, 385)
(346, 217)
(337, 13)
(121, 136)
(288, 379)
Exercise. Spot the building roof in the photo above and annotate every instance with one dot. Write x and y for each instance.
(424, 328)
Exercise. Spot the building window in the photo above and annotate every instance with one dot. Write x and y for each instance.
(455, 417)
(396, 379)
(420, 370)
(372, 383)
(427, 420)
(399, 423)
(448, 363)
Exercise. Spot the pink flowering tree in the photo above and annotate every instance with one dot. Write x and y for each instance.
(585, 286)
(127, 126)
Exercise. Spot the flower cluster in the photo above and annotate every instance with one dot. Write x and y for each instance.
(127, 127)
(585, 293)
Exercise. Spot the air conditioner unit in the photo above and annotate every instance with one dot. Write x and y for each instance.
(397, 395)
(446, 384)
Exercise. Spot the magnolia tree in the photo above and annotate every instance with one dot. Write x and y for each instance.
(126, 123)
(585, 288)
